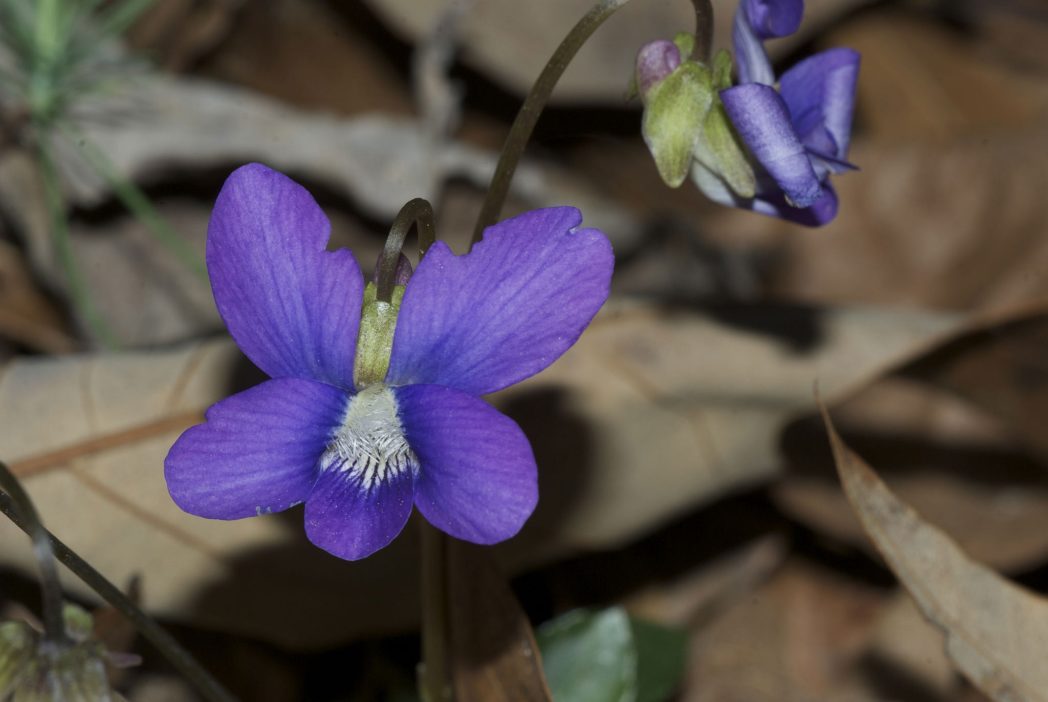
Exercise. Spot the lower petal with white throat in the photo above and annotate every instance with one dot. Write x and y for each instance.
(365, 488)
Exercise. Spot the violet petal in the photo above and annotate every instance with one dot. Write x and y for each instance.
(820, 92)
(505, 311)
(822, 211)
(477, 479)
(769, 200)
(292, 307)
(257, 452)
(352, 521)
(761, 118)
(755, 22)
(773, 18)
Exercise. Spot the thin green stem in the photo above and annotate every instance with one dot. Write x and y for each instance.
(78, 290)
(207, 686)
(416, 213)
(435, 671)
(528, 116)
(50, 586)
(136, 202)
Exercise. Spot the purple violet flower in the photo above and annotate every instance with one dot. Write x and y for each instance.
(360, 457)
(798, 133)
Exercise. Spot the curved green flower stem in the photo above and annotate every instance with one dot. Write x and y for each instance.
(16, 506)
(540, 93)
(50, 587)
(434, 675)
(136, 202)
(417, 213)
(78, 291)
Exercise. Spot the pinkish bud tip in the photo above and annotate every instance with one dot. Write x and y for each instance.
(655, 61)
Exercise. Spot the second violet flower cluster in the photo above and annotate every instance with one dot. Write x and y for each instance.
(763, 144)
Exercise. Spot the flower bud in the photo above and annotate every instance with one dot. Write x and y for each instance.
(401, 274)
(36, 669)
(655, 61)
(17, 646)
(675, 110)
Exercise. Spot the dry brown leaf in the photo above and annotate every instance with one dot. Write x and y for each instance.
(904, 641)
(175, 33)
(26, 315)
(942, 226)
(1003, 370)
(378, 161)
(953, 427)
(493, 651)
(995, 631)
(709, 587)
(797, 638)
(275, 48)
(653, 412)
(511, 42)
(922, 79)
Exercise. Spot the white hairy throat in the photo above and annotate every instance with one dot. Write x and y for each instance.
(370, 446)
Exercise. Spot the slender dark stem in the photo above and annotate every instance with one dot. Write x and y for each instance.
(703, 31)
(435, 674)
(540, 93)
(50, 587)
(417, 213)
(10, 505)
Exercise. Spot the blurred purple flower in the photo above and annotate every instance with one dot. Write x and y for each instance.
(361, 457)
(799, 133)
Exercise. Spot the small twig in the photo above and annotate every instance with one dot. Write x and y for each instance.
(50, 587)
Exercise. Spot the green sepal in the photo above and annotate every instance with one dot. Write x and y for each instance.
(35, 670)
(17, 647)
(378, 321)
(79, 623)
(674, 114)
(685, 44)
(719, 150)
(721, 68)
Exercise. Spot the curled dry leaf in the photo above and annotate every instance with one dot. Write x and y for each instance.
(957, 428)
(653, 412)
(996, 632)
(380, 161)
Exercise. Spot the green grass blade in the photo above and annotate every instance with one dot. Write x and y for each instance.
(137, 203)
(78, 290)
